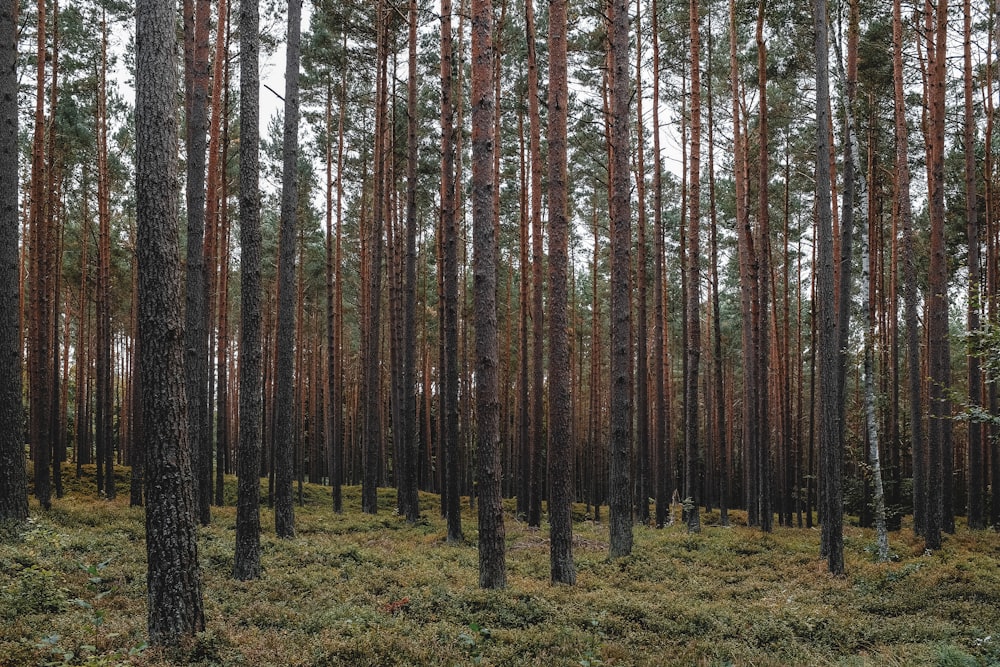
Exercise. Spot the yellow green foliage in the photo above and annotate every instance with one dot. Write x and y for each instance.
(356, 589)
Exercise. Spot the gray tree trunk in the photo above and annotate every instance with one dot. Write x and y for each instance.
(13, 476)
(173, 577)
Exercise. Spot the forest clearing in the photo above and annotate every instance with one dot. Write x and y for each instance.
(358, 589)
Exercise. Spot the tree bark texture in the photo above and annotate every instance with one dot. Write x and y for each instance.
(561, 446)
(830, 443)
(13, 475)
(173, 576)
(247, 558)
(284, 508)
(492, 568)
(197, 25)
(620, 501)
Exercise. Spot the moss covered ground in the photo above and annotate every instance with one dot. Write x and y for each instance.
(355, 589)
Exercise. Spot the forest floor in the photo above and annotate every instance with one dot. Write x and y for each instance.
(356, 589)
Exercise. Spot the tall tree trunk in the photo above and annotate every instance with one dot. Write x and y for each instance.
(909, 278)
(197, 25)
(524, 313)
(411, 446)
(641, 276)
(762, 345)
(561, 444)
(215, 190)
(537, 272)
(975, 442)
(620, 504)
(40, 390)
(247, 557)
(717, 361)
(830, 443)
(103, 404)
(173, 577)
(449, 233)
(492, 569)
(661, 428)
(693, 296)
(938, 354)
(13, 476)
(284, 433)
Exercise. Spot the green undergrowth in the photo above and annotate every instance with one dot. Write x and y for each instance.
(357, 589)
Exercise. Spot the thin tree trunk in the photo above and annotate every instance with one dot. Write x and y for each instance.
(975, 443)
(661, 430)
(938, 355)
(411, 445)
(197, 25)
(693, 296)
(717, 361)
(561, 444)
(449, 233)
(284, 508)
(831, 445)
(909, 277)
(620, 504)
(642, 489)
(538, 269)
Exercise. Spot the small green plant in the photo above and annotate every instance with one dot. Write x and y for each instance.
(472, 641)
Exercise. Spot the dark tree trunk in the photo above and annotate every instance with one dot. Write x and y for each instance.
(830, 443)
(370, 385)
(39, 347)
(247, 558)
(762, 343)
(449, 233)
(938, 354)
(173, 577)
(197, 25)
(13, 476)
(492, 569)
(620, 501)
(909, 277)
(561, 445)
(284, 434)
(975, 443)
(537, 271)
(642, 489)
(692, 301)
(411, 445)
(717, 361)
(661, 429)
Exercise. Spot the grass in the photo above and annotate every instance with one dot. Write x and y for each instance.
(356, 589)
